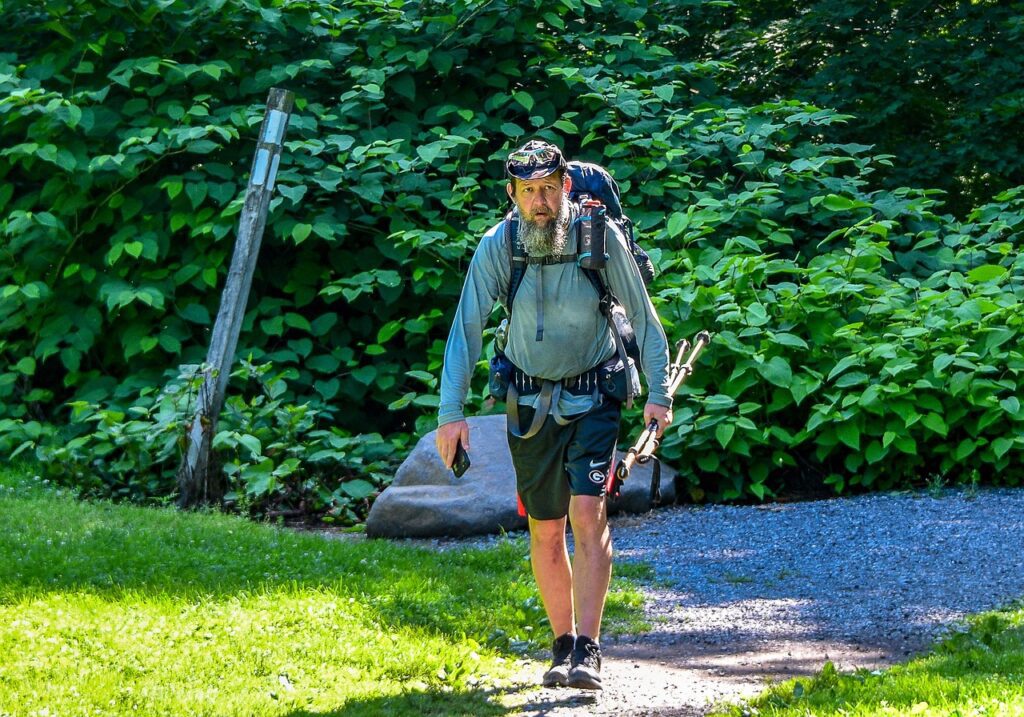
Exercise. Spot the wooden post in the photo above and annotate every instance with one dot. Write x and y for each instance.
(197, 483)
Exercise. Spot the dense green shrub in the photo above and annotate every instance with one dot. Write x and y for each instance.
(280, 463)
(937, 84)
(834, 373)
(127, 130)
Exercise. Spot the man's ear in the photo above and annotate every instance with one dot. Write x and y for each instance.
(511, 193)
(566, 183)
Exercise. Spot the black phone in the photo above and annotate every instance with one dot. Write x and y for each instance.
(461, 463)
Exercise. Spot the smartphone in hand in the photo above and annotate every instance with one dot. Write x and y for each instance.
(461, 463)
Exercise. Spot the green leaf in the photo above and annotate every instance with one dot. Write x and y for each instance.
(934, 422)
(27, 366)
(323, 363)
(849, 433)
(790, 340)
(196, 192)
(875, 452)
(555, 21)
(273, 326)
(802, 387)
(388, 330)
(297, 321)
(196, 313)
(524, 99)
(724, 433)
(511, 129)
(252, 443)
(776, 371)
(964, 449)
(428, 378)
(365, 374)
(1001, 446)
(836, 203)
(1011, 405)
(358, 489)
(845, 363)
(328, 389)
(985, 273)
(300, 232)
(566, 126)
(942, 362)
(719, 402)
(677, 223)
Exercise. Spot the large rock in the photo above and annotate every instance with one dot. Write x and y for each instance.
(427, 500)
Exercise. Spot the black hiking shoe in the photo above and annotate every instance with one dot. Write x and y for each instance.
(585, 672)
(561, 653)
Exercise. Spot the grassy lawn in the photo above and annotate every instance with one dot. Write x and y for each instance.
(975, 673)
(110, 609)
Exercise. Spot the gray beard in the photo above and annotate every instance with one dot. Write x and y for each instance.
(548, 240)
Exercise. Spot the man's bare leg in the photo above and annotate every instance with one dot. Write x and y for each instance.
(550, 559)
(591, 574)
(553, 572)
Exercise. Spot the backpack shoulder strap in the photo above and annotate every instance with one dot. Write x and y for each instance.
(517, 259)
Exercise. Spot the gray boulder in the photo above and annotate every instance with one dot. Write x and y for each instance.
(427, 500)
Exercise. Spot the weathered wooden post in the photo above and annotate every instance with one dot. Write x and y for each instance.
(196, 484)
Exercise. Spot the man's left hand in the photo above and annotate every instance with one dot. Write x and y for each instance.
(661, 414)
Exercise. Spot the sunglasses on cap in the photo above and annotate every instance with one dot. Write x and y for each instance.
(534, 160)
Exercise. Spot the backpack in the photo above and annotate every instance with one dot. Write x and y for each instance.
(589, 182)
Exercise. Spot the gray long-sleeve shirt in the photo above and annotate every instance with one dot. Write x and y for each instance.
(576, 335)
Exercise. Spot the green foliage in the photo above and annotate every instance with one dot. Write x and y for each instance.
(832, 372)
(936, 84)
(127, 131)
(276, 460)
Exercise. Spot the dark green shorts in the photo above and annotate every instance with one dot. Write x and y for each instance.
(563, 461)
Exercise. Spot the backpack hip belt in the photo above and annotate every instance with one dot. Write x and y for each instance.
(611, 378)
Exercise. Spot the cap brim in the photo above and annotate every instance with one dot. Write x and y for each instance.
(537, 173)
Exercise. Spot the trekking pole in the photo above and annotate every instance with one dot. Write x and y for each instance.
(643, 450)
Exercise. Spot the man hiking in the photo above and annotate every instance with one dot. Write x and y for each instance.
(560, 360)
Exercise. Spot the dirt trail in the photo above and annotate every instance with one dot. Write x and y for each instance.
(744, 596)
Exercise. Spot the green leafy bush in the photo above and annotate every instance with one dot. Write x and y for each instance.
(836, 373)
(277, 459)
(127, 131)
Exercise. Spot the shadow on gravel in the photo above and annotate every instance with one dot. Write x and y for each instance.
(876, 577)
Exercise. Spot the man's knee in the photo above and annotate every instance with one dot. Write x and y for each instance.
(589, 519)
(547, 532)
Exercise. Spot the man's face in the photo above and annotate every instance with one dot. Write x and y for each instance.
(539, 199)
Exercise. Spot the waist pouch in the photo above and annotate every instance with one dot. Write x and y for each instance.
(617, 380)
(501, 376)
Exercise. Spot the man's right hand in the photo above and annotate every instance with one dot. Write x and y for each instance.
(448, 437)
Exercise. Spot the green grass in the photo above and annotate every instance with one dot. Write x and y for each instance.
(977, 672)
(110, 609)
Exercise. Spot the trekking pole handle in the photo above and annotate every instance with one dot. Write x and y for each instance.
(681, 371)
(640, 452)
(644, 448)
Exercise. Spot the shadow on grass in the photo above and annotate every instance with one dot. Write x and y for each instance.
(57, 544)
(472, 704)
(415, 704)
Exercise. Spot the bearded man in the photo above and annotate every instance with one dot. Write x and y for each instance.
(557, 342)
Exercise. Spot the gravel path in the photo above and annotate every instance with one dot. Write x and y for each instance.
(745, 595)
